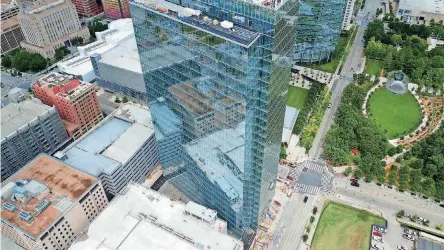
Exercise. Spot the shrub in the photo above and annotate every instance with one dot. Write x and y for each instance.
(315, 210)
(308, 227)
(400, 214)
(348, 171)
(312, 219)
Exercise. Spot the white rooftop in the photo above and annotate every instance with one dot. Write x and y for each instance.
(113, 142)
(124, 55)
(141, 218)
(118, 31)
(17, 115)
(417, 6)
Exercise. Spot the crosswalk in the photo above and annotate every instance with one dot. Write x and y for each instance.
(307, 189)
(326, 179)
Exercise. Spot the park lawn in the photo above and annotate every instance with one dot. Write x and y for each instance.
(344, 227)
(374, 67)
(296, 97)
(396, 115)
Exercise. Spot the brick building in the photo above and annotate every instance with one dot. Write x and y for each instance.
(76, 101)
(88, 8)
(47, 204)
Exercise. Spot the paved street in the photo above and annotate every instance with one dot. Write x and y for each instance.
(352, 63)
(292, 223)
(386, 202)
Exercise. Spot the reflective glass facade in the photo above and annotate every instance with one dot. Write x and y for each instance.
(217, 96)
(318, 28)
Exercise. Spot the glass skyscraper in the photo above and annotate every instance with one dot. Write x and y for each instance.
(216, 74)
(318, 28)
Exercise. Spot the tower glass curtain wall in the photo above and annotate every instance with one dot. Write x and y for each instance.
(318, 29)
(221, 93)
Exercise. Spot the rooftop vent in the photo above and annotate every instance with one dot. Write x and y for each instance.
(25, 215)
(40, 207)
(9, 207)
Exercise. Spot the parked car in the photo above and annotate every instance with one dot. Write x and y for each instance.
(380, 229)
(377, 238)
(353, 180)
(408, 237)
(305, 199)
(402, 248)
(407, 215)
(409, 231)
(377, 247)
(329, 105)
(377, 233)
(355, 184)
(441, 205)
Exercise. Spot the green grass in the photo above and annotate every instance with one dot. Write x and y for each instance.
(374, 67)
(296, 97)
(396, 115)
(344, 227)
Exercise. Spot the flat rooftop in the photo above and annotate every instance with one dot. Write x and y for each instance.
(427, 6)
(124, 55)
(17, 115)
(55, 79)
(41, 6)
(44, 179)
(177, 12)
(112, 142)
(142, 218)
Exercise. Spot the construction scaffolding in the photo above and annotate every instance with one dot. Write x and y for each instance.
(318, 28)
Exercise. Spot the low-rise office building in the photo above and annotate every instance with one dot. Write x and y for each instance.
(141, 218)
(28, 129)
(122, 148)
(47, 204)
(420, 12)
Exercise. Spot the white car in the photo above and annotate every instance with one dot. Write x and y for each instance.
(377, 238)
(409, 231)
(408, 237)
(377, 247)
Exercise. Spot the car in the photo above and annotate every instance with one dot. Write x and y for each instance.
(354, 184)
(329, 105)
(377, 247)
(290, 178)
(441, 205)
(377, 233)
(353, 180)
(408, 237)
(380, 229)
(305, 199)
(377, 238)
(407, 215)
(402, 248)
(409, 231)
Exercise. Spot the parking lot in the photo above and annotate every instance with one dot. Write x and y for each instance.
(383, 238)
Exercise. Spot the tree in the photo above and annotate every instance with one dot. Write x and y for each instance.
(357, 174)
(283, 153)
(388, 62)
(124, 99)
(37, 62)
(304, 238)
(400, 214)
(21, 60)
(397, 39)
(61, 52)
(312, 219)
(96, 27)
(315, 210)
(393, 175)
(404, 178)
(7, 61)
(348, 171)
(77, 41)
(415, 180)
(428, 187)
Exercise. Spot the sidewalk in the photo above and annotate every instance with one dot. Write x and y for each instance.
(319, 203)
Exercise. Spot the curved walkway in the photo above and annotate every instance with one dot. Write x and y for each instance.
(411, 87)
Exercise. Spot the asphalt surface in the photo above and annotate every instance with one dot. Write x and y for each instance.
(387, 202)
(352, 63)
(291, 226)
